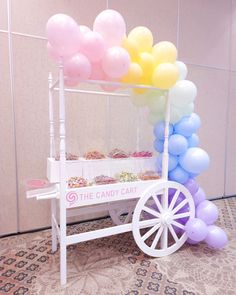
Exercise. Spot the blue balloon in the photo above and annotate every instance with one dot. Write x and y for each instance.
(179, 175)
(187, 125)
(178, 144)
(193, 140)
(195, 160)
(159, 145)
(196, 119)
(172, 163)
(159, 130)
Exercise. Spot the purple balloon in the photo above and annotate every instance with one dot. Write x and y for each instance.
(196, 229)
(207, 211)
(191, 242)
(216, 237)
(192, 186)
(199, 197)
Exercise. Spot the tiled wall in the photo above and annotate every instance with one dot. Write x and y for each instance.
(204, 32)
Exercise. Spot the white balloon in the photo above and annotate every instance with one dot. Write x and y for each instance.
(183, 71)
(153, 118)
(183, 93)
(175, 115)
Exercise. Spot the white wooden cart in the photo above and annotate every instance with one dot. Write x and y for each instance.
(149, 214)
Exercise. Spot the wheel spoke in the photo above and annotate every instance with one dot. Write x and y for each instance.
(150, 232)
(179, 225)
(172, 231)
(151, 211)
(128, 217)
(157, 202)
(181, 215)
(173, 201)
(181, 205)
(157, 237)
(148, 223)
(164, 238)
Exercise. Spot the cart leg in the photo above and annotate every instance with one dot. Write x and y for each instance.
(54, 231)
(63, 256)
(63, 262)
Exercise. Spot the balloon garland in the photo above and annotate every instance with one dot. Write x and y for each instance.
(108, 53)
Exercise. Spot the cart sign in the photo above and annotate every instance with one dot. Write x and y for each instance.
(105, 193)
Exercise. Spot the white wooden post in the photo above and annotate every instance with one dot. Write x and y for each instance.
(165, 164)
(63, 264)
(52, 154)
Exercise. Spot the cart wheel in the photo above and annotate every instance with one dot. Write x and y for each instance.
(122, 215)
(159, 218)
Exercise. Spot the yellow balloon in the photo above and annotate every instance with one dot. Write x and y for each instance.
(165, 75)
(164, 52)
(146, 62)
(134, 74)
(143, 38)
(132, 49)
(139, 90)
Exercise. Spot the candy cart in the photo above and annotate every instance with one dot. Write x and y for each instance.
(141, 206)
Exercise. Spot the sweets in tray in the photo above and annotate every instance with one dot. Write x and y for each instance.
(142, 154)
(127, 177)
(118, 154)
(148, 175)
(103, 179)
(94, 155)
(69, 157)
(114, 154)
(77, 182)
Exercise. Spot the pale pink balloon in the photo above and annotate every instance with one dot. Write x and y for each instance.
(97, 72)
(115, 62)
(64, 34)
(78, 67)
(84, 29)
(71, 82)
(93, 46)
(111, 25)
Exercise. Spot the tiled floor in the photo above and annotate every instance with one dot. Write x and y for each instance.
(115, 265)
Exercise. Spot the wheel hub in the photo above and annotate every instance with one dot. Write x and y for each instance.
(166, 218)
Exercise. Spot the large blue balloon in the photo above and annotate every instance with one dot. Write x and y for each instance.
(172, 163)
(193, 140)
(159, 130)
(195, 160)
(178, 144)
(187, 125)
(159, 145)
(179, 175)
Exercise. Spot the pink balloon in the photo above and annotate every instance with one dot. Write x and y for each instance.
(84, 29)
(78, 67)
(111, 25)
(93, 46)
(64, 34)
(97, 72)
(115, 62)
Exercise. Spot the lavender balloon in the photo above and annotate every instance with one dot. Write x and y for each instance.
(192, 186)
(199, 196)
(196, 229)
(216, 237)
(191, 242)
(207, 211)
